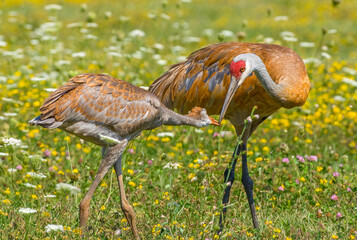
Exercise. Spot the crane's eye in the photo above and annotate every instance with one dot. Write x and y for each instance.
(242, 70)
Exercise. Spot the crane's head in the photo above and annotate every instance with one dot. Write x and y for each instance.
(201, 115)
(241, 67)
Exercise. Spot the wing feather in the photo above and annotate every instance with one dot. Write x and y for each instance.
(198, 80)
(203, 80)
(102, 99)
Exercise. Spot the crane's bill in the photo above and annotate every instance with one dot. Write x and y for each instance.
(233, 86)
(214, 121)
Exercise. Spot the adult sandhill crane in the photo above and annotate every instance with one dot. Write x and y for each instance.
(231, 79)
(110, 112)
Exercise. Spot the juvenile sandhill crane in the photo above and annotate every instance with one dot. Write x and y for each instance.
(231, 79)
(110, 112)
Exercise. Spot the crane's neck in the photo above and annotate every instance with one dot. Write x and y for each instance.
(276, 91)
(172, 118)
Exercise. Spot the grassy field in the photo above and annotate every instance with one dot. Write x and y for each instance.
(312, 195)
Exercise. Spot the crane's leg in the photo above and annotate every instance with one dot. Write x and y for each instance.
(246, 180)
(108, 161)
(228, 180)
(125, 205)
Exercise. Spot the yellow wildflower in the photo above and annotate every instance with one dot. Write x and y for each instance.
(77, 231)
(266, 149)
(46, 214)
(189, 152)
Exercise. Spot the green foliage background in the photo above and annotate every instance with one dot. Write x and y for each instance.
(41, 48)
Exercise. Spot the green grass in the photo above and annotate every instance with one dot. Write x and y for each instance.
(181, 203)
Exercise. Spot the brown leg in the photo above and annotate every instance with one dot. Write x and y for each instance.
(125, 205)
(108, 161)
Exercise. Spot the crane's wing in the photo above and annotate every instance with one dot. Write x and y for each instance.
(202, 80)
(102, 99)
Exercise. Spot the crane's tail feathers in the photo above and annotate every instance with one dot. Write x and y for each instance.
(163, 88)
(49, 123)
(158, 87)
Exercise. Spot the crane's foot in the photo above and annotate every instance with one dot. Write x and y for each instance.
(127, 209)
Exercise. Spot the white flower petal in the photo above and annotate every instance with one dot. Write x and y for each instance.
(52, 227)
(350, 81)
(50, 89)
(171, 165)
(191, 39)
(11, 141)
(137, 33)
(162, 62)
(50, 196)
(290, 39)
(10, 115)
(226, 33)
(307, 44)
(281, 18)
(27, 210)
(68, 187)
(287, 34)
(79, 54)
(29, 185)
(165, 134)
(349, 70)
(326, 55)
(312, 60)
(37, 175)
(53, 7)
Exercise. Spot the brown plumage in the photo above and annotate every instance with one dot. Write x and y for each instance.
(187, 84)
(231, 79)
(110, 112)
